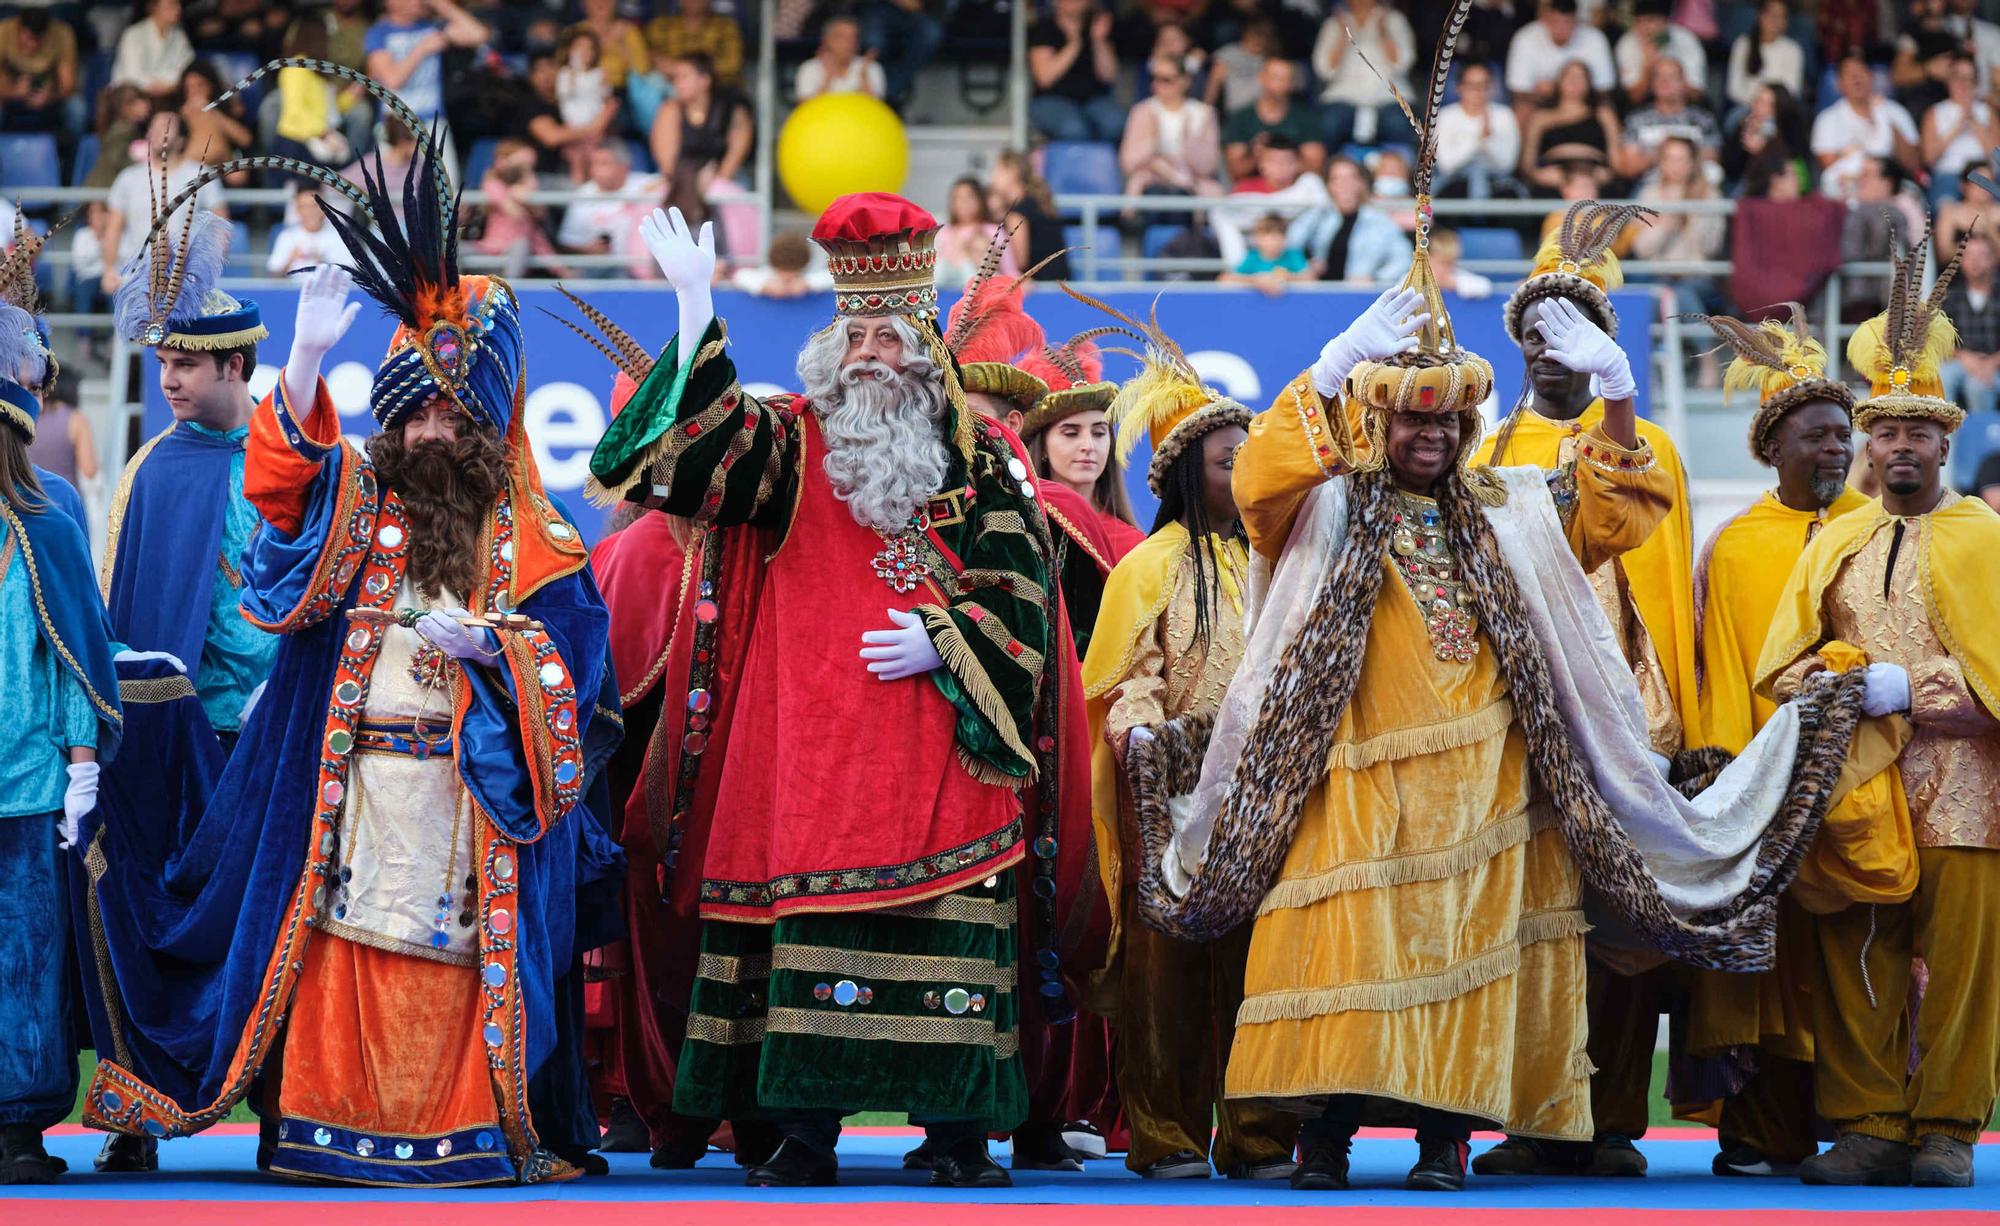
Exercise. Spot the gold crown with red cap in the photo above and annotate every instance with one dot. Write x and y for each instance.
(882, 252)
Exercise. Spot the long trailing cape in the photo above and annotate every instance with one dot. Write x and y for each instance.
(163, 542)
(1700, 879)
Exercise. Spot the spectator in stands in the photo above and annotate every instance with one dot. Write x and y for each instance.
(1982, 38)
(1271, 263)
(788, 270)
(1959, 131)
(1479, 141)
(511, 225)
(1770, 130)
(1281, 187)
(1677, 177)
(347, 23)
(1351, 239)
(1389, 177)
(596, 221)
(1766, 55)
(1574, 129)
(1544, 47)
(701, 140)
(122, 113)
(1879, 216)
(153, 53)
(233, 25)
(63, 442)
(840, 66)
(1860, 127)
(1175, 43)
(128, 206)
(406, 49)
(1651, 39)
(215, 135)
(1925, 45)
(1579, 183)
(1025, 203)
(38, 90)
(583, 91)
(1955, 217)
(307, 241)
(318, 119)
(1673, 113)
(544, 120)
(1075, 70)
(1972, 376)
(622, 48)
(1985, 481)
(902, 35)
(1357, 105)
(1173, 143)
(967, 235)
(1235, 76)
(694, 29)
(1225, 21)
(398, 153)
(1276, 112)
(1446, 248)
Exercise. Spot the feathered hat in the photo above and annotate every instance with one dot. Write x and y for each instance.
(1576, 262)
(1074, 373)
(1166, 402)
(990, 333)
(27, 367)
(168, 296)
(1437, 376)
(631, 359)
(1782, 363)
(1902, 350)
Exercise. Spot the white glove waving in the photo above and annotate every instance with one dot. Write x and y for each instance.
(454, 640)
(903, 652)
(1582, 346)
(324, 317)
(1885, 690)
(688, 263)
(78, 801)
(1389, 326)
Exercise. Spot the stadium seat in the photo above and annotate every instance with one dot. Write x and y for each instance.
(241, 257)
(479, 161)
(1082, 167)
(642, 157)
(1489, 243)
(28, 159)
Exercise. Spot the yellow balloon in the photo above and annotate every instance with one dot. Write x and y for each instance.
(836, 144)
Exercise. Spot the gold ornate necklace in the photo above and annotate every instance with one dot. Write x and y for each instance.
(1434, 578)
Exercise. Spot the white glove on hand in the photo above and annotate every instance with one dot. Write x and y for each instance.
(324, 316)
(135, 657)
(444, 633)
(1885, 690)
(903, 652)
(1582, 346)
(688, 263)
(78, 801)
(1389, 326)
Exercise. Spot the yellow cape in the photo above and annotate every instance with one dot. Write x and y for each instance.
(1661, 571)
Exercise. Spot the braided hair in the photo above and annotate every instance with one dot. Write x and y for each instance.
(1183, 500)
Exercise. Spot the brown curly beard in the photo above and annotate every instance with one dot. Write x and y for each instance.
(447, 489)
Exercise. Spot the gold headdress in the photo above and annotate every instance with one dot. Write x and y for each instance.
(1166, 401)
(1576, 262)
(1902, 349)
(1782, 363)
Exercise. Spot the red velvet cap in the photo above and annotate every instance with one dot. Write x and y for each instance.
(865, 217)
(881, 250)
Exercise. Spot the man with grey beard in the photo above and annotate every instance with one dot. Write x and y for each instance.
(849, 798)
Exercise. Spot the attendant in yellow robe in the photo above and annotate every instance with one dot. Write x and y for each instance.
(1759, 1026)
(1169, 637)
(1912, 583)
(1648, 593)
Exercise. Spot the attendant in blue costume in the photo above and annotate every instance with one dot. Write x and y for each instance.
(178, 521)
(364, 930)
(62, 717)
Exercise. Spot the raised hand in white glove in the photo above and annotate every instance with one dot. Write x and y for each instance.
(903, 652)
(324, 316)
(441, 628)
(688, 263)
(1885, 690)
(1582, 346)
(78, 801)
(135, 657)
(1389, 326)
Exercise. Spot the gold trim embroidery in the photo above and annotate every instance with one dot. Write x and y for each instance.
(146, 690)
(966, 668)
(730, 968)
(725, 1031)
(959, 909)
(409, 949)
(107, 710)
(897, 968)
(892, 1028)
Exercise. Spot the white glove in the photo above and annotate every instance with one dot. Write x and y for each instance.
(444, 633)
(1389, 326)
(1885, 690)
(688, 263)
(1582, 346)
(78, 801)
(1661, 763)
(903, 652)
(135, 657)
(250, 704)
(1137, 737)
(324, 316)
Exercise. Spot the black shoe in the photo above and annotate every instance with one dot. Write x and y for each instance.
(1528, 1156)
(123, 1155)
(582, 1159)
(1323, 1168)
(22, 1158)
(1859, 1160)
(1181, 1164)
(678, 1155)
(1741, 1160)
(795, 1165)
(1440, 1167)
(1268, 1169)
(1040, 1149)
(1615, 1157)
(1941, 1162)
(920, 1158)
(626, 1133)
(966, 1164)
(1083, 1137)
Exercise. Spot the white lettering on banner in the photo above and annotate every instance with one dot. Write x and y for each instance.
(1232, 375)
(763, 390)
(564, 421)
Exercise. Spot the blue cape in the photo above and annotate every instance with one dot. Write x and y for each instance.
(65, 498)
(165, 539)
(71, 617)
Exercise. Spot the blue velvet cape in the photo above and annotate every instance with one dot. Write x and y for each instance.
(165, 540)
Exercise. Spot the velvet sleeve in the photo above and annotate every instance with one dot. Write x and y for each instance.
(1622, 494)
(691, 442)
(1293, 446)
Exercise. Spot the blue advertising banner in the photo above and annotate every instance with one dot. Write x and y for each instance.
(1246, 344)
